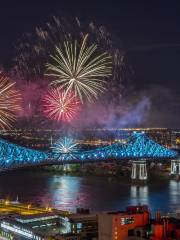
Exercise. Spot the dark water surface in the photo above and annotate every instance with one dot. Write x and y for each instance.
(96, 193)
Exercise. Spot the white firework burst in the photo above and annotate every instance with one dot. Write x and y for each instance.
(65, 147)
(80, 68)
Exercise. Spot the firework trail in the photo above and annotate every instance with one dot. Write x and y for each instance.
(34, 49)
(81, 69)
(9, 102)
(60, 106)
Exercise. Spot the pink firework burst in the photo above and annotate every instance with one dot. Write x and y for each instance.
(60, 106)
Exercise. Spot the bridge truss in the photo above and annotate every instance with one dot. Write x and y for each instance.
(137, 146)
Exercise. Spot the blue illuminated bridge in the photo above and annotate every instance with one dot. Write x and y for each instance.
(137, 146)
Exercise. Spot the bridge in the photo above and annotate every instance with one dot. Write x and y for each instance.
(138, 147)
(15, 156)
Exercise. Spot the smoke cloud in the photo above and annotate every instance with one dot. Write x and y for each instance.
(155, 107)
(109, 115)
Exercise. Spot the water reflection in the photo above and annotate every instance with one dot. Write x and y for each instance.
(174, 193)
(65, 192)
(96, 193)
(139, 195)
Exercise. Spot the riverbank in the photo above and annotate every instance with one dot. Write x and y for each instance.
(104, 170)
(110, 170)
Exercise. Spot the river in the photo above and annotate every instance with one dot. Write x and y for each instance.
(95, 193)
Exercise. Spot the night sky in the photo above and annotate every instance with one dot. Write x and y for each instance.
(148, 30)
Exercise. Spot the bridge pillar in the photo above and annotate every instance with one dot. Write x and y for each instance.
(175, 168)
(139, 171)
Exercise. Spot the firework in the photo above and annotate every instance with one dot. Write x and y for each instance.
(60, 106)
(65, 147)
(80, 69)
(9, 102)
(33, 51)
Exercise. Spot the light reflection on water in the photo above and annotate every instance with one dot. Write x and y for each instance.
(65, 192)
(174, 193)
(139, 195)
(96, 193)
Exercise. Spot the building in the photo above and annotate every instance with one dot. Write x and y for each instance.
(122, 225)
(86, 225)
(38, 226)
(19, 222)
(49, 226)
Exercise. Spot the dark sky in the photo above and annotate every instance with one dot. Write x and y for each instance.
(149, 29)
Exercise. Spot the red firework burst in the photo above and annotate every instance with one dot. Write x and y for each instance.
(60, 106)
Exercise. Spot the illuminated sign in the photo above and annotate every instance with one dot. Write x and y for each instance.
(127, 220)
